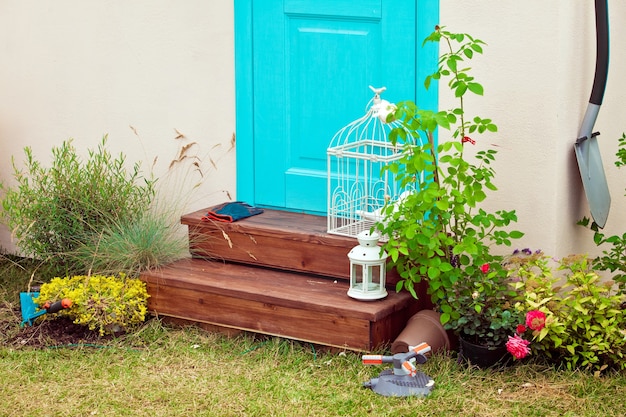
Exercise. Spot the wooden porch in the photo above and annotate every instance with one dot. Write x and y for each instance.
(276, 273)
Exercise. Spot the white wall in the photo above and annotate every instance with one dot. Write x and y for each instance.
(80, 69)
(76, 69)
(537, 71)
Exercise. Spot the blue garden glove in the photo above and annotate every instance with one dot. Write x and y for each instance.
(231, 212)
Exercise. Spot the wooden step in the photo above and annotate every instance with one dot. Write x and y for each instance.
(294, 305)
(277, 239)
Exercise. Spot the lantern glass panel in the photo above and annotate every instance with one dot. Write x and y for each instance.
(357, 276)
(374, 278)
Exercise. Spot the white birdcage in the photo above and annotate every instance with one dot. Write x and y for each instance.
(357, 187)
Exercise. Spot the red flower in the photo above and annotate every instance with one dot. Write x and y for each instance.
(484, 268)
(520, 329)
(518, 347)
(536, 320)
(468, 139)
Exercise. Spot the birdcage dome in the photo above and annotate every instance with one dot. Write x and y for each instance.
(358, 187)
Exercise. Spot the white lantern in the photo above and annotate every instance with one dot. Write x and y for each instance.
(367, 268)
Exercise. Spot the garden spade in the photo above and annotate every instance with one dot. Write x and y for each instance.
(586, 146)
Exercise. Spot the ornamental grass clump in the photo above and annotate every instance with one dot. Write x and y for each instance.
(107, 304)
(149, 241)
(155, 236)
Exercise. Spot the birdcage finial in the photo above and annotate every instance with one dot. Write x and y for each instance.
(377, 92)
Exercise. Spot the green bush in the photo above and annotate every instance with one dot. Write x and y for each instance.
(585, 324)
(54, 210)
(105, 303)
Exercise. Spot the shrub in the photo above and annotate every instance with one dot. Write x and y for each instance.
(53, 210)
(439, 231)
(105, 303)
(585, 325)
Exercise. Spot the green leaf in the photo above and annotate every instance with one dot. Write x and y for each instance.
(476, 48)
(475, 88)
(451, 63)
(444, 318)
(491, 186)
(460, 90)
(427, 81)
(433, 272)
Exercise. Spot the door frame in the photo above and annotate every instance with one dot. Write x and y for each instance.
(425, 58)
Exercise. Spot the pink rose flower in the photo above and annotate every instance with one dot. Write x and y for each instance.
(518, 347)
(485, 268)
(536, 320)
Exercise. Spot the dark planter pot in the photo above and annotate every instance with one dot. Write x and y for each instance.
(484, 356)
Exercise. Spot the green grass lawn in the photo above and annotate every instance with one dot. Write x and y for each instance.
(164, 370)
(161, 371)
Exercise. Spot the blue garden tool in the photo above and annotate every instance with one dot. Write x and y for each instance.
(404, 380)
(30, 309)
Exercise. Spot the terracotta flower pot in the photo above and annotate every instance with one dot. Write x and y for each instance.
(422, 327)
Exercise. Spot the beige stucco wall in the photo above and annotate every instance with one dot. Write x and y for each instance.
(82, 69)
(537, 71)
(76, 69)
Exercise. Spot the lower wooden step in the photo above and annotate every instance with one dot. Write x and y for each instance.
(287, 304)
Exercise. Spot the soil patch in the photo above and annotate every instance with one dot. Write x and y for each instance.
(52, 332)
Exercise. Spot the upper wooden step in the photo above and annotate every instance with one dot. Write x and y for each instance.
(276, 239)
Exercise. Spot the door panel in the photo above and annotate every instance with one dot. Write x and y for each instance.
(312, 65)
(321, 83)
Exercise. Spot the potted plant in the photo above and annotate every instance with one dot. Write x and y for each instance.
(485, 314)
(439, 232)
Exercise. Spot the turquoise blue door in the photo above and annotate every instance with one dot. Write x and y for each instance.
(303, 71)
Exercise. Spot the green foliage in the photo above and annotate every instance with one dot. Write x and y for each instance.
(146, 242)
(105, 303)
(585, 323)
(439, 231)
(53, 210)
(479, 307)
(613, 259)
